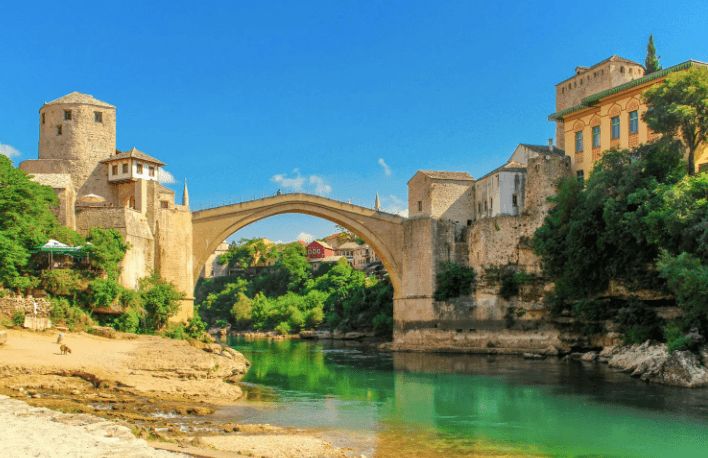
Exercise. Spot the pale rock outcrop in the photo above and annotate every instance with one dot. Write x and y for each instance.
(653, 363)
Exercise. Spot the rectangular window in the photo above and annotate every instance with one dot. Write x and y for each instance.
(44, 117)
(616, 127)
(580, 175)
(58, 130)
(514, 200)
(596, 137)
(579, 142)
(138, 168)
(633, 122)
(151, 171)
(491, 203)
(67, 115)
(164, 204)
(97, 116)
(485, 205)
(420, 205)
(479, 207)
(114, 170)
(125, 168)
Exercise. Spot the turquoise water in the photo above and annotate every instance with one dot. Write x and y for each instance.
(428, 405)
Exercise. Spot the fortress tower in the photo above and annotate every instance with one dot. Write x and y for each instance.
(76, 132)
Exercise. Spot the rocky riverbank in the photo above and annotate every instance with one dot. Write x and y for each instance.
(147, 387)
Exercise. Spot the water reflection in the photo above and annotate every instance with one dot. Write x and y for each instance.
(462, 405)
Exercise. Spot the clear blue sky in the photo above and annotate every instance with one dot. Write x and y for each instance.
(243, 98)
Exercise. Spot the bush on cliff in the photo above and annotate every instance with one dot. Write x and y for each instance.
(454, 280)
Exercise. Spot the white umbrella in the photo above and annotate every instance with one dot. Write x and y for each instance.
(91, 198)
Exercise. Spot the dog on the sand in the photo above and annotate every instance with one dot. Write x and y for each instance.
(64, 349)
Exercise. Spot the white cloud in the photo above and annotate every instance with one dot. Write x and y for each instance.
(9, 151)
(305, 237)
(279, 242)
(403, 213)
(387, 170)
(297, 183)
(321, 186)
(165, 177)
(396, 200)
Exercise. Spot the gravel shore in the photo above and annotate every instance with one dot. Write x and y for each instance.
(28, 431)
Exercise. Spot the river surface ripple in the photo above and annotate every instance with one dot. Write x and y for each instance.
(434, 405)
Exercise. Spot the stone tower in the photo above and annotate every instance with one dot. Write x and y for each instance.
(75, 133)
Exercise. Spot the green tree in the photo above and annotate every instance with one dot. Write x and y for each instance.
(679, 107)
(294, 261)
(249, 253)
(687, 278)
(160, 299)
(651, 63)
(600, 232)
(26, 222)
(107, 250)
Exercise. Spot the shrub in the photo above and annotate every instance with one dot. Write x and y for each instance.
(454, 280)
(283, 328)
(160, 300)
(70, 315)
(675, 338)
(383, 323)
(6, 322)
(62, 282)
(639, 322)
(128, 322)
(18, 318)
(194, 327)
(102, 293)
(174, 331)
(314, 317)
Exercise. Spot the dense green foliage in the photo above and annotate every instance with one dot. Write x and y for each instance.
(454, 280)
(107, 250)
(641, 222)
(651, 63)
(679, 108)
(25, 223)
(249, 253)
(605, 231)
(289, 297)
(160, 299)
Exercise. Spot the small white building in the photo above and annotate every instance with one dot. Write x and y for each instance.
(132, 165)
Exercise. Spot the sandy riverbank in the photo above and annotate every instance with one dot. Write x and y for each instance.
(150, 388)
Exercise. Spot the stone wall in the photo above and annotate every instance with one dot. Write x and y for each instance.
(139, 259)
(482, 322)
(8, 305)
(173, 254)
(453, 200)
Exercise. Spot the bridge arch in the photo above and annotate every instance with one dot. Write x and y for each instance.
(382, 231)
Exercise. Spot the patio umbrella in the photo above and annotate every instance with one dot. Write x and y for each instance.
(91, 198)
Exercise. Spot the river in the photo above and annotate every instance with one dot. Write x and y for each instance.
(433, 405)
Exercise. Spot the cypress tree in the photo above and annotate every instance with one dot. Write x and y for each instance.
(651, 63)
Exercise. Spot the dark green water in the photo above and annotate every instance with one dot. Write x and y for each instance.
(428, 405)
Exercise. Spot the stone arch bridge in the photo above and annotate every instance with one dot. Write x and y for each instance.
(382, 231)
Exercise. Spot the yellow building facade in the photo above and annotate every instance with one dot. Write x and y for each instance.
(611, 119)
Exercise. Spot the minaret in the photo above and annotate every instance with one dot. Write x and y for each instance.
(377, 204)
(185, 195)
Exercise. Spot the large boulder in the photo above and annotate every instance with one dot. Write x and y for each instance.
(653, 363)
